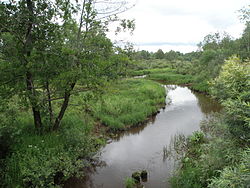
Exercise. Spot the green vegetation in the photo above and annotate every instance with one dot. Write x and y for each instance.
(170, 77)
(49, 159)
(61, 75)
(166, 75)
(128, 103)
(44, 59)
(232, 88)
(54, 54)
(220, 157)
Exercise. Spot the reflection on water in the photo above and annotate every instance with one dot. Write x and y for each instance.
(142, 147)
(207, 104)
(135, 129)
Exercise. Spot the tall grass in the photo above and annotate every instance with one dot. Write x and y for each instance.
(171, 78)
(128, 103)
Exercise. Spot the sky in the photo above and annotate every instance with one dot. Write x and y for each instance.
(181, 24)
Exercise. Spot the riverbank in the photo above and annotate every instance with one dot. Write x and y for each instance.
(50, 158)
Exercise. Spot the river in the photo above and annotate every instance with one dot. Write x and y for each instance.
(142, 147)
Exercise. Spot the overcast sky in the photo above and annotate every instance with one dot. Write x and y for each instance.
(181, 24)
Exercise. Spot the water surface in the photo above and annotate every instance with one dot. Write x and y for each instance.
(142, 147)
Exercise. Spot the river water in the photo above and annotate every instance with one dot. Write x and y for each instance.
(141, 148)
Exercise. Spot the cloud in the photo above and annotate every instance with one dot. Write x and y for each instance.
(182, 24)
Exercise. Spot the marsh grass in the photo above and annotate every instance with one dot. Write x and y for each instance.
(129, 102)
(166, 75)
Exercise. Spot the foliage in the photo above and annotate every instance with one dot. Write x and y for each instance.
(170, 77)
(232, 87)
(50, 158)
(159, 54)
(50, 50)
(166, 75)
(233, 79)
(235, 176)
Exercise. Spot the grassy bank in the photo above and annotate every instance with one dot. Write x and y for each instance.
(129, 102)
(47, 159)
(166, 75)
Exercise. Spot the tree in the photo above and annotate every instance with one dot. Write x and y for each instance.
(45, 52)
(245, 42)
(159, 54)
(143, 54)
(172, 55)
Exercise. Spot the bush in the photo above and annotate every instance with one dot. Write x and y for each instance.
(232, 87)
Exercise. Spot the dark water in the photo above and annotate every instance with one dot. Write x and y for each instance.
(142, 147)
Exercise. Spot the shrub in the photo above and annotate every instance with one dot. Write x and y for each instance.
(232, 87)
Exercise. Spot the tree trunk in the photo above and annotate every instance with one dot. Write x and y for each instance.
(34, 106)
(29, 80)
(51, 115)
(64, 107)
